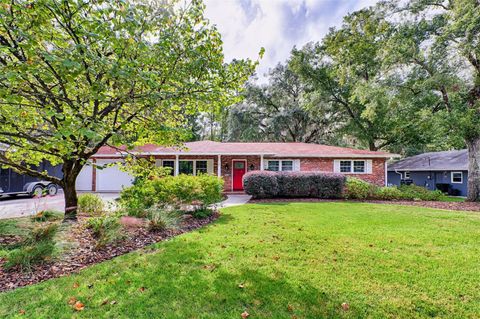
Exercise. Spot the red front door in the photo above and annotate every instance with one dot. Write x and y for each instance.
(239, 170)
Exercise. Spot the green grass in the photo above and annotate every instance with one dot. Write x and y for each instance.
(453, 199)
(302, 259)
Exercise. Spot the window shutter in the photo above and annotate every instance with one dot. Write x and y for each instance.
(158, 162)
(210, 166)
(296, 165)
(336, 166)
(265, 164)
(369, 166)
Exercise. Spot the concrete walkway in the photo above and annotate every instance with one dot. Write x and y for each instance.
(234, 200)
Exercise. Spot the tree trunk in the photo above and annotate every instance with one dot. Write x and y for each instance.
(473, 146)
(71, 200)
(70, 169)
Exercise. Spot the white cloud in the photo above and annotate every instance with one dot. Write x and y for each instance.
(277, 25)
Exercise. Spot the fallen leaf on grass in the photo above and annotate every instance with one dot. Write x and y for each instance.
(113, 302)
(78, 306)
(345, 306)
(76, 285)
(242, 285)
(290, 308)
(142, 289)
(72, 300)
(104, 302)
(245, 314)
(21, 312)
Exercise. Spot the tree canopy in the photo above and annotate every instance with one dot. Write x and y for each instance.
(77, 75)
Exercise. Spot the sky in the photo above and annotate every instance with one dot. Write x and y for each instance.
(276, 25)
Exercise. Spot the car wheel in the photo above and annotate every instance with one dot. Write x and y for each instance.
(52, 190)
(37, 191)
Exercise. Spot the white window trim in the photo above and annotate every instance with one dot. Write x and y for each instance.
(461, 177)
(351, 166)
(405, 175)
(160, 163)
(280, 164)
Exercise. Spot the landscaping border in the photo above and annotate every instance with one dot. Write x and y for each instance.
(86, 255)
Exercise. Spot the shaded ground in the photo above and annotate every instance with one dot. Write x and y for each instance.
(283, 260)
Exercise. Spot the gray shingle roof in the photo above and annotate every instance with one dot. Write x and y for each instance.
(434, 161)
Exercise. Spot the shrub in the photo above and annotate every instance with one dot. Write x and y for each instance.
(172, 192)
(202, 213)
(160, 220)
(414, 192)
(105, 229)
(265, 184)
(261, 184)
(27, 256)
(46, 215)
(356, 188)
(90, 204)
(38, 247)
(389, 193)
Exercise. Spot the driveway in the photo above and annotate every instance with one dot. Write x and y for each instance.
(21, 206)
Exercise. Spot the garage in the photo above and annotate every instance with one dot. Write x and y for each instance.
(111, 179)
(84, 179)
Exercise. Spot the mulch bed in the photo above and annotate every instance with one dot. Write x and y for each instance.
(461, 206)
(87, 253)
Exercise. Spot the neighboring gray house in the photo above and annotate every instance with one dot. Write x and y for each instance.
(447, 171)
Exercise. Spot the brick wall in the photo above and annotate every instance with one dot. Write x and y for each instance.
(306, 164)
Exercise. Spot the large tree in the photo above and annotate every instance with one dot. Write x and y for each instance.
(77, 75)
(344, 73)
(436, 49)
(279, 111)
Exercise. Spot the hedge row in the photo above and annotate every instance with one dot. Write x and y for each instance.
(267, 184)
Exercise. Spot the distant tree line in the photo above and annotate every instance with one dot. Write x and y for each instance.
(400, 76)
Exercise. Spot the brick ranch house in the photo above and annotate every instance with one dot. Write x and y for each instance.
(232, 160)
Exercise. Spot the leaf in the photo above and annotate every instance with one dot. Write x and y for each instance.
(245, 314)
(142, 289)
(75, 285)
(345, 306)
(72, 300)
(21, 312)
(242, 285)
(78, 306)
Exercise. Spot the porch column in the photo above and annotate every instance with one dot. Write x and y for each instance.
(177, 166)
(219, 166)
(261, 162)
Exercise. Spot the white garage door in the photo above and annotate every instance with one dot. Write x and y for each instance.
(84, 179)
(111, 178)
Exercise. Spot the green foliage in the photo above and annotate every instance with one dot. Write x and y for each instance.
(38, 247)
(202, 213)
(27, 256)
(75, 75)
(356, 188)
(389, 193)
(105, 229)
(46, 215)
(172, 191)
(414, 192)
(91, 204)
(159, 219)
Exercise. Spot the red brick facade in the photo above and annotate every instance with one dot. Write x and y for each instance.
(306, 165)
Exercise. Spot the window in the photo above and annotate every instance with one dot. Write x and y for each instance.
(274, 166)
(239, 165)
(457, 177)
(345, 166)
(170, 164)
(201, 167)
(287, 165)
(185, 167)
(406, 175)
(359, 166)
(351, 166)
(283, 165)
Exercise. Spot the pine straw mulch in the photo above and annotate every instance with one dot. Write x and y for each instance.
(460, 206)
(85, 251)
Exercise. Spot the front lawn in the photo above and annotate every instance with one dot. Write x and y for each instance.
(299, 260)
